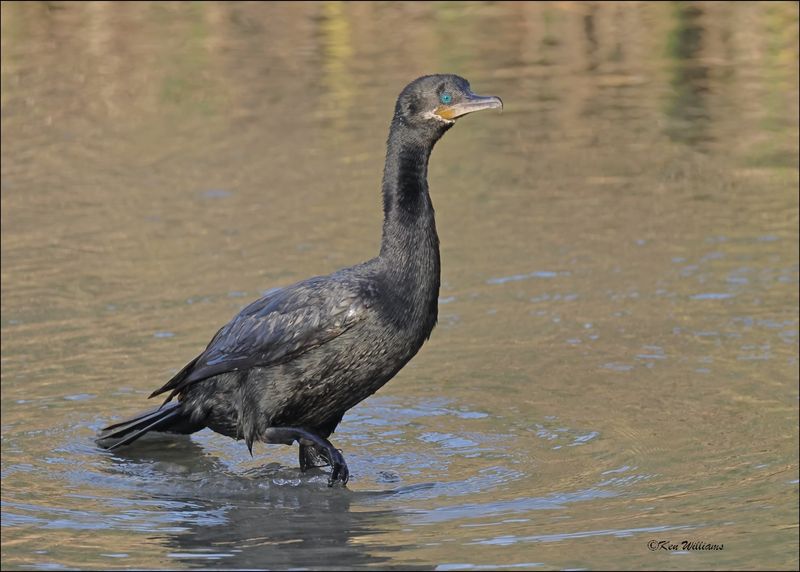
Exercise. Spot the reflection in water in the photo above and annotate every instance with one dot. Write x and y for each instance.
(336, 52)
(267, 518)
(687, 105)
(617, 349)
(589, 29)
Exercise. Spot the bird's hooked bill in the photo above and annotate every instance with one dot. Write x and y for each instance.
(469, 104)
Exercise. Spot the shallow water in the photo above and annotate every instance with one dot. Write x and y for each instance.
(617, 355)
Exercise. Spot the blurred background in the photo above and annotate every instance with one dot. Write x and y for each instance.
(616, 359)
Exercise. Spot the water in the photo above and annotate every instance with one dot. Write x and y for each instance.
(617, 355)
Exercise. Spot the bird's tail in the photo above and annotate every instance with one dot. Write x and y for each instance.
(167, 418)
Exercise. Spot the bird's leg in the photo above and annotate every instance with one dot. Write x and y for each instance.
(315, 445)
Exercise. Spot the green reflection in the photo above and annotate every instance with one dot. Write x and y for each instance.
(337, 50)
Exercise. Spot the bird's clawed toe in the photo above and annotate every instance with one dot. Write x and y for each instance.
(339, 470)
(339, 473)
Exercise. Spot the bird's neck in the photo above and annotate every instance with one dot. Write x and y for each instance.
(410, 245)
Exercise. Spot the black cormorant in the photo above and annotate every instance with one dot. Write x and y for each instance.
(289, 365)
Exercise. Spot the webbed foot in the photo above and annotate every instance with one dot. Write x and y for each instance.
(310, 458)
(313, 449)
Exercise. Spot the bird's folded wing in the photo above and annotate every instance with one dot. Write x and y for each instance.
(276, 328)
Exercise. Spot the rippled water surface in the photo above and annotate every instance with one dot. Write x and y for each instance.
(616, 360)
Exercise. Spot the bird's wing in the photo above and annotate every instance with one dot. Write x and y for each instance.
(276, 328)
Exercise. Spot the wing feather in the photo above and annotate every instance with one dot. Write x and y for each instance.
(276, 328)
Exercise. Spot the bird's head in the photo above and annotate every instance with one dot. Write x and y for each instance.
(436, 101)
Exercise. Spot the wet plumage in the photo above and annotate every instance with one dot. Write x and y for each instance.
(290, 364)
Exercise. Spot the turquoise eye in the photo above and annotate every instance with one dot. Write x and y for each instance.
(445, 98)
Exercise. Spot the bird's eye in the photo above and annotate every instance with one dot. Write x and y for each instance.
(445, 98)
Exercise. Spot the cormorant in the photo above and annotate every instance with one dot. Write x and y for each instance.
(288, 366)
